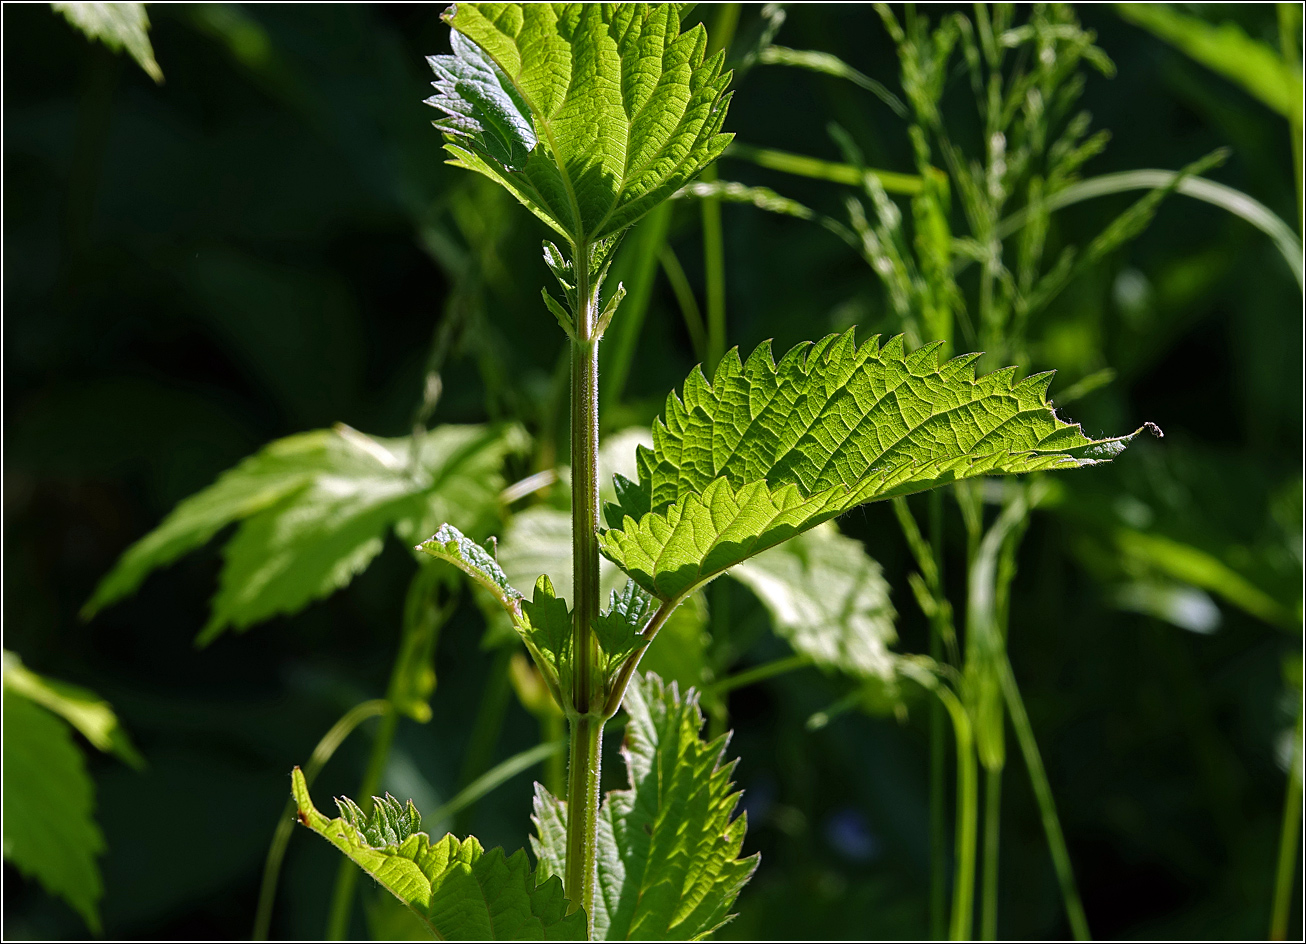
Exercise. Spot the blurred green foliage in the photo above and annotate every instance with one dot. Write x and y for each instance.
(269, 243)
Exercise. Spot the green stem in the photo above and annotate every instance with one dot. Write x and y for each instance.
(1047, 807)
(685, 299)
(1288, 840)
(720, 36)
(963, 884)
(342, 898)
(585, 717)
(411, 682)
(1287, 44)
(644, 248)
(714, 702)
(281, 838)
(989, 880)
(582, 812)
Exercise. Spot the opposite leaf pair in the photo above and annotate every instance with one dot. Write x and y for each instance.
(544, 623)
(669, 863)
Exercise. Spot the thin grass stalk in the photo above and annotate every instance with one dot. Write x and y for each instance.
(938, 749)
(342, 897)
(281, 838)
(1047, 806)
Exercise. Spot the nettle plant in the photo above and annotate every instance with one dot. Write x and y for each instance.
(592, 116)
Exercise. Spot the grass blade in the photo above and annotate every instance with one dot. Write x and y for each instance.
(1198, 188)
(800, 165)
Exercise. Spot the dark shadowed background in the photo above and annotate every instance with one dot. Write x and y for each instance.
(262, 245)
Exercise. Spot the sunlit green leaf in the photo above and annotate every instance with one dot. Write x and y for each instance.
(589, 114)
(458, 889)
(543, 623)
(668, 859)
(768, 451)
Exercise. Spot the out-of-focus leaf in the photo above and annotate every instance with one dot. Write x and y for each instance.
(457, 888)
(828, 599)
(1194, 566)
(669, 866)
(117, 25)
(314, 511)
(80, 707)
(49, 832)
(764, 198)
(1226, 49)
(1178, 604)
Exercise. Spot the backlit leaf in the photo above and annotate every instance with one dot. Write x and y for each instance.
(768, 450)
(828, 599)
(668, 858)
(460, 891)
(117, 25)
(589, 114)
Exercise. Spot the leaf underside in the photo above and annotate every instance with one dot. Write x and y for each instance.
(314, 510)
(668, 849)
(117, 25)
(769, 450)
(589, 114)
(828, 599)
(460, 891)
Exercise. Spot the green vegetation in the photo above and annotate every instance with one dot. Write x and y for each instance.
(1136, 624)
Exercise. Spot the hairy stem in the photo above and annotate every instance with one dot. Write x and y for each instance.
(1047, 807)
(281, 838)
(586, 723)
(582, 812)
(1289, 838)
